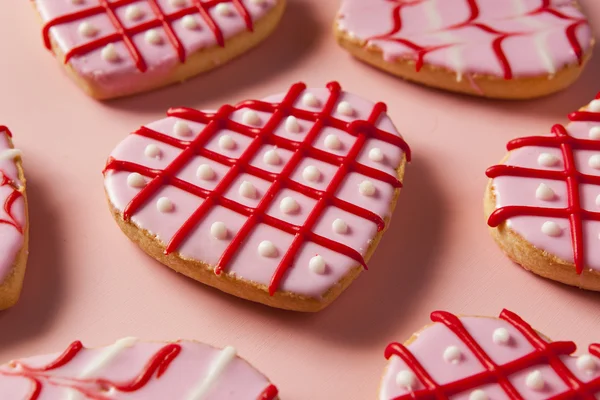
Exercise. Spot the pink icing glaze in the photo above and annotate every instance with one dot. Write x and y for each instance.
(125, 75)
(247, 263)
(431, 343)
(11, 237)
(96, 372)
(512, 190)
(461, 34)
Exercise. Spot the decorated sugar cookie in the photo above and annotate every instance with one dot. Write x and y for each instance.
(280, 201)
(13, 221)
(504, 49)
(483, 358)
(115, 48)
(136, 370)
(543, 202)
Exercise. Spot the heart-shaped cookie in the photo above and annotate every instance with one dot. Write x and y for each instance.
(134, 369)
(13, 221)
(543, 203)
(280, 201)
(115, 48)
(481, 358)
(505, 49)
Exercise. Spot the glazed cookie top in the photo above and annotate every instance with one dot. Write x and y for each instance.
(12, 206)
(480, 358)
(116, 41)
(503, 38)
(287, 192)
(548, 190)
(133, 369)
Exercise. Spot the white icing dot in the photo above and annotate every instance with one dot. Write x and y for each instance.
(266, 248)
(586, 363)
(594, 106)
(218, 230)
(595, 133)
(339, 226)
(153, 37)
(164, 205)
(345, 108)
(109, 53)
(134, 13)
(224, 10)
(182, 129)
(189, 22)
(226, 142)
(375, 154)
(317, 265)
(310, 100)
(136, 180)
(501, 336)
(333, 142)
(86, 29)
(205, 172)
(272, 157)
(366, 188)
(248, 190)
(551, 228)
(406, 379)
(478, 395)
(594, 161)
(311, 173)
(548, 160)
(544, 192)
(288, 205)
(152, 151)
(535, 380)
(178, 3)
(250, 117)
(292, 125)
(452, 355)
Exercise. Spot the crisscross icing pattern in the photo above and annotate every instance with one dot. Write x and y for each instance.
(12, 197)
(161, 20)
(574, 212)
(544, 353)
(215, 122)
(46, 379)
(430, 29)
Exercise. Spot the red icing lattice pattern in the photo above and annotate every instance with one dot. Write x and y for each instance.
(125, 34)
(12, 197)
(570, 175)
(543, 353)
(474, 21)
(215, 122)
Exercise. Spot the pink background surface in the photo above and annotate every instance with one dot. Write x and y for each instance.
(86, 281)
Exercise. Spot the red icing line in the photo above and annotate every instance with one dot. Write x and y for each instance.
(220, 120)
(269, 393)
(422, 51)
(570, 175)
(126, 35)
(5, 130)
(8, 203)
(543, 353)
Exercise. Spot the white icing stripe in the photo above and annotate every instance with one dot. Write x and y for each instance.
(433, 15)
(10, 154)
(214, 372)
(520, 7)
(101, 361)
(541, 43)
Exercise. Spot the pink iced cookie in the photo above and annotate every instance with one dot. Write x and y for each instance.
(483, 358)
(280, 201)
(13, 221)
(544, 201)
(506, 49)
(134, 369)
(116, 48)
